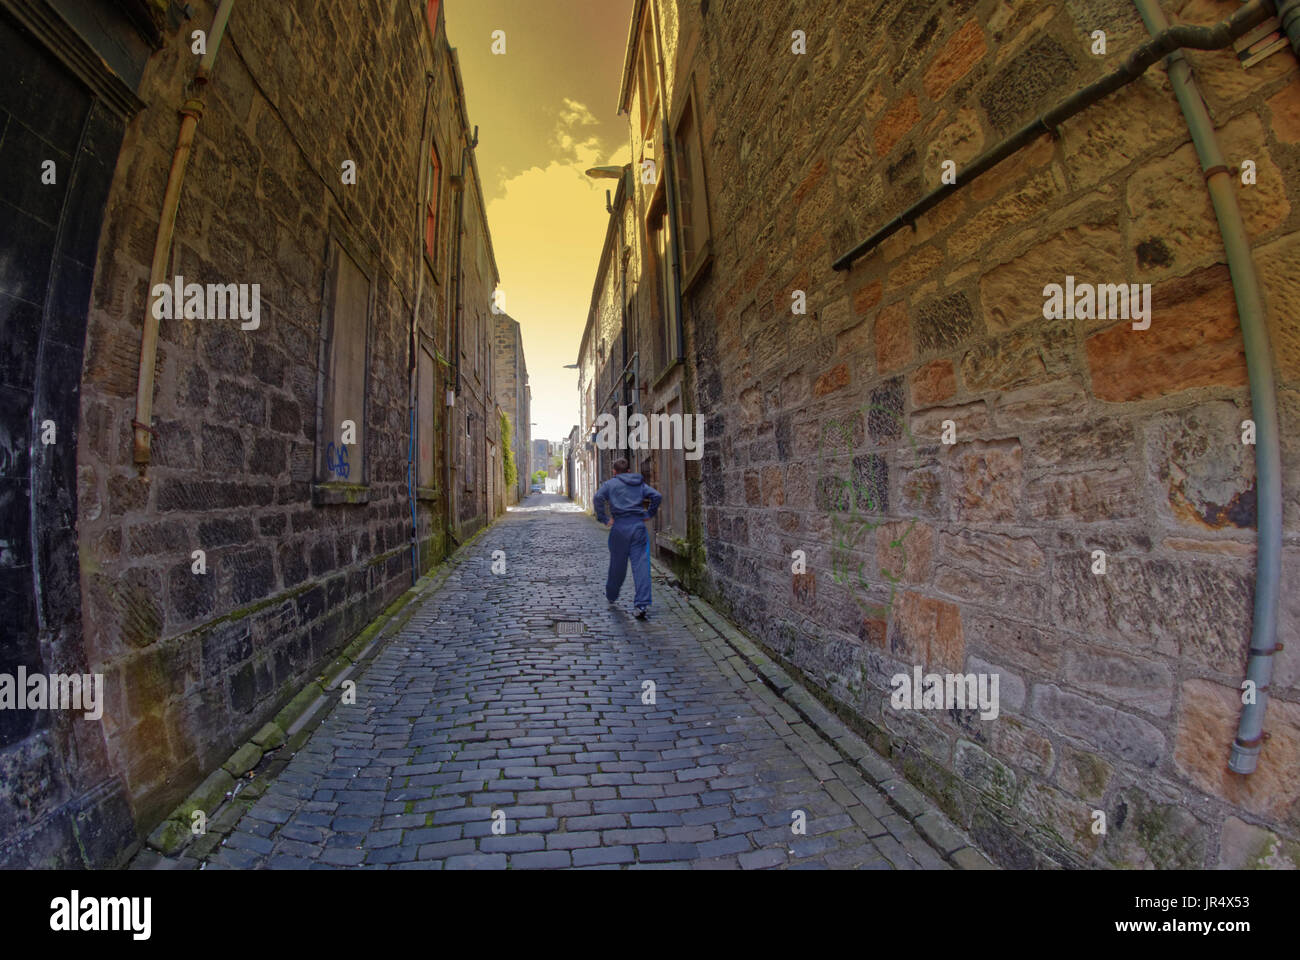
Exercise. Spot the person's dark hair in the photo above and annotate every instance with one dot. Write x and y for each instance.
(620, 465)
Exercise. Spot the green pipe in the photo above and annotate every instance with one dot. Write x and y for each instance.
(1263, 395)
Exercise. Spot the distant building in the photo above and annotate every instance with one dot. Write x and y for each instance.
(515, 398)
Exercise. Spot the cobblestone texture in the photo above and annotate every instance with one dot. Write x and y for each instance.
(478, 706)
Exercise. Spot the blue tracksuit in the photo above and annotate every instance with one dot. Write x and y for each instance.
(622, 496)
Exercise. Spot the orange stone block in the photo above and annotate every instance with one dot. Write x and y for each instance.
(893, 338)
(933, 383)
(963, 51)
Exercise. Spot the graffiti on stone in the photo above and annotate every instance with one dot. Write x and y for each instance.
(853, 489)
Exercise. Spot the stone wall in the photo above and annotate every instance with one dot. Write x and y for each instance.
(195, 663)
(1119, 691)
(512, 394)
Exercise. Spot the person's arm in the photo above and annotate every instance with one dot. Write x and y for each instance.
(655, 499)
(599, 501)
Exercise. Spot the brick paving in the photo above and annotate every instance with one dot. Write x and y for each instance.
(476, 708)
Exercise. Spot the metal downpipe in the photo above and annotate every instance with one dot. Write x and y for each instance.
(191, 111)
(1263, 391)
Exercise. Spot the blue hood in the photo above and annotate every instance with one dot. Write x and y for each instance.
(624, 493)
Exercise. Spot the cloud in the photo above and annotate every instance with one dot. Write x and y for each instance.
(548, 226)
(570, 141)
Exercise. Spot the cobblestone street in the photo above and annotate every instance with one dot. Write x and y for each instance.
(477, 706)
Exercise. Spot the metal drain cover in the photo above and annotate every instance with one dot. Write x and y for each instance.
(568, 628)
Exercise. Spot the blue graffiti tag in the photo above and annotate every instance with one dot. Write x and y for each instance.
(339, 465)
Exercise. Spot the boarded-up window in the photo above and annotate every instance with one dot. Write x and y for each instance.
(692, 200)
(661, 265)
(425, 420)
(341, 443)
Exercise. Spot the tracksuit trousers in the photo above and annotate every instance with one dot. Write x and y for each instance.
(629, 540)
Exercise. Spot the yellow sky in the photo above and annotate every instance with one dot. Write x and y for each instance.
(545, 110)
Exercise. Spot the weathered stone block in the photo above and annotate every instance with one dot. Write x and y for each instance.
(1244, 846)
(1121, 734)
(1024, 357)
(895, 124)
(1206, 474)
(944, 323)
(1143, 833)
(1082, 773)
(1167, 201)
(1198, 609)
(1137, 683)
(1207, 724)
(905, 549)
(1012, 293)
(968, 420)
(991, 551)
(964, 49)
(986, 480)
(243, 760)
(928, 632)
(985, 773)
(1089, 496)
(893, 336)
(1083, 443)
(933, 383)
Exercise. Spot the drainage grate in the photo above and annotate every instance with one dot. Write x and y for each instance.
(568, 628)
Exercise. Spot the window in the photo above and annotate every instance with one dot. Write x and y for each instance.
(692, 198)
(426, 386)
(661, 264)
(433, 16)
(341, 438)
(649, 80)
(434, 189)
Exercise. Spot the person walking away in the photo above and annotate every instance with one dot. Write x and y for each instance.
(619, 506)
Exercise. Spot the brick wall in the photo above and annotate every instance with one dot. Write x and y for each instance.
(1119, 692)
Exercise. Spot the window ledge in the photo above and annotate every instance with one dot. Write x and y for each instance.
(674, 545)
(327, 493)
(426, 493)
(664, 374)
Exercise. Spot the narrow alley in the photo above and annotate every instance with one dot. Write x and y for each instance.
(478, 706)
(942, 356)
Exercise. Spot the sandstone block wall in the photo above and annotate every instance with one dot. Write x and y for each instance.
(195, 663)
(1119, 692)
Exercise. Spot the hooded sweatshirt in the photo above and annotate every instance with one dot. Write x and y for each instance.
(622, 494)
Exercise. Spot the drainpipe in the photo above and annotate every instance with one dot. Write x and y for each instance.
(1263, 392)
(412, 387)
(190, 111)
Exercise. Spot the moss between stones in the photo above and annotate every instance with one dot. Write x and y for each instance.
(269, 737)
(168, 837)
(207, 797)
(298, 705)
